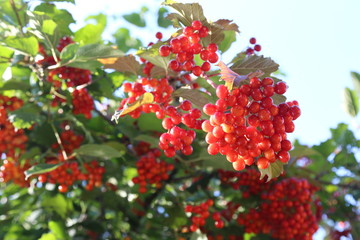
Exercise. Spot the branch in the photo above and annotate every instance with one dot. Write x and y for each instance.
(58, 139)
(13, 6)
(105, 117)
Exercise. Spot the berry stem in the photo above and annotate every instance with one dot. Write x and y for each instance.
(58, 139)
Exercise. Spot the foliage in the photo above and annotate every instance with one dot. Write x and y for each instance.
(68, 171)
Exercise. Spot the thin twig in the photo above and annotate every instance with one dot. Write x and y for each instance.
(13, 6)
(105, 117)
(58, 139)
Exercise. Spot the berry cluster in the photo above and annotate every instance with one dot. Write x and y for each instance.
(151, 170)
(221, 237)
(200, 213)
(82, 102)
(254, 48)
(177, 138)
(73, 77)
(285, 212)
(159, 88)
(13, 170)
(69, 171)
(12, 144)
(186, 46)
(246, 125)
(248, 181)
(12, 141)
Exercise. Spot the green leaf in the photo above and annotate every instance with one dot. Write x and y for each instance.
(49, 26)
(26, 116)
(59, 230)
(6, 52)
(152, 55)
(356, 82)
(153, 141)
(229, 38)
(40, 169)
(91, 33)
(37, 21)
(124, 41)
(149, 122)
(351, 100)
(26, 45)
(60, 16)
(69, 52)
(274, 170)
(58, 204)
(48, 236)
(302, 151)
(194, 95)
(343, 136)
(254, 63)
(162, 21)
(50, 1)
(136, 19)
(98, 150)
(96, 51)
(15, 85)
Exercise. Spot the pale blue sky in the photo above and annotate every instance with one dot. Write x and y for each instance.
(316, 44)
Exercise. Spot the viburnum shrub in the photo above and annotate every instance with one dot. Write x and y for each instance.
(106, 139)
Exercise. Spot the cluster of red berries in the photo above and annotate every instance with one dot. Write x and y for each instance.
(69, 171)
(73, 77)
(151, 170)
(221, 237)
(13, 170)
(200, 213)
(246, 125)
(82, 102)
(248, 181)
(285, 212)
(254, 48)
(186, 46)
(339, 234)
(159, 88)
(12, 144)
(12, 140)
(178, 138)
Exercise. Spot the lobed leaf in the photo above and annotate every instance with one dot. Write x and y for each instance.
(126, 63)
(195, 96)
(162, 21)
(186, 13)
(274, 170)
(91, 33)
(254, 63)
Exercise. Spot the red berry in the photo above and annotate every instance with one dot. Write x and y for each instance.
(196, 25)
(252, 40)
(159, 35)
(257, 48)
(212, 47)
(164, 51)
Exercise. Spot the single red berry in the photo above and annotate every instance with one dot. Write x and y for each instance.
(197, 25)
(252, 40)
(257, 48)
(164, 51)
(196, 70)
(159, 35)
(280, 87)
(212, 47)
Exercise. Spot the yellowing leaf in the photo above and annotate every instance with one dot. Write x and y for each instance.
(143, 99)
(227, 75)
(187, 13)
(124, 64)
(226, 24)
(107, 60)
